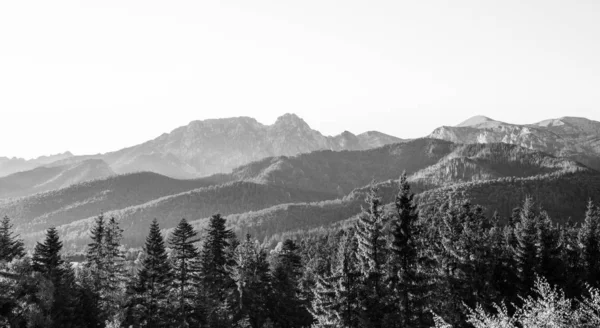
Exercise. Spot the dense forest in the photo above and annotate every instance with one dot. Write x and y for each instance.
(447, 265)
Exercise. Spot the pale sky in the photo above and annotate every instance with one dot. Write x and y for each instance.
(96, 76)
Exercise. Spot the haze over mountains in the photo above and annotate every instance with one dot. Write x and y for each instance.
(283, 178)
(213, 146)
(13, 164)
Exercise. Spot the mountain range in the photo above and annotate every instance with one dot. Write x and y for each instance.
(202, 148)
(571, 137)
(14, 164)
(280, 179)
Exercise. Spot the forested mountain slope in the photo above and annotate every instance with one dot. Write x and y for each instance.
(93, 197)
(51, 177)
(282, 194)
(234, 197)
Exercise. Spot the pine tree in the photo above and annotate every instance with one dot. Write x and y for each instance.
(573, 274)
(151, 286)
(371, 256)
(48, 261)
(335, 302)
(589, 242)
(549, 249)
(185, 273)
(46, 257)
(526, 250)
(104, 261)
(407, 278)
(215, 263)
(287, 308)
(95, 268)
(465, 258)
(10, 245)
(252, 280)
(115, 270)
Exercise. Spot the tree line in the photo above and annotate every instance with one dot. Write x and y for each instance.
(447, 266)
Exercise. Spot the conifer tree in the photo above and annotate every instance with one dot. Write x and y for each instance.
(287, 308)
(104, 262)
(371, 256)
(526, 250)
(252, 280)
(115, 270)
(407, 278)
(466, 259)
(151, 285)
(95, 268)
(549, 249)
(573, 275)
(185, 273)
(47, 260)
(589, 242)
(335, 302)
(46, 257)
(10, 245)
(215, 263)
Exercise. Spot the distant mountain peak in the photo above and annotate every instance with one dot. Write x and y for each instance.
(476, 120)
(290, 119)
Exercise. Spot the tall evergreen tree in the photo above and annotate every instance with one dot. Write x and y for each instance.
(287, 308)
(526, 250)
(549, 249)
(104, 262)
(466, 261)
(115, 270)
(407, 277)
(371, 256)
(215, 263)
(573, 274)
(336, 299)
(152, 283)
(46, 257)
(47, 260)
(589, 242)
(10, 245)
(252, 280)
(185, 273)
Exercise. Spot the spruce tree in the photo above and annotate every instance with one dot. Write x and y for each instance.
(287, 308)
(115, 267)
(47, 260)
(10, 245)
(371, 256)
(252, 280)
(151, 286)
(573, 275)
(589, 242)
(104, 262)
(407, 279)
(549, 249)
(336, 302)
(185, 273)
(215, 263)
(526, 250)
(46, 257)
(465, 258)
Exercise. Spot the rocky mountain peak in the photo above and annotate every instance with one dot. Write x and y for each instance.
(291, 121)
(476, 120)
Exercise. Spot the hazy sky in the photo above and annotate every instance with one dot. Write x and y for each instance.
(94, 76)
